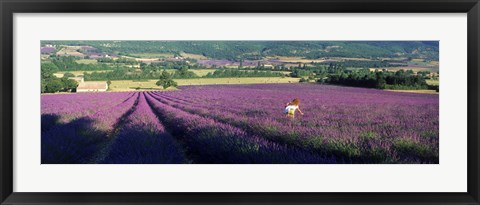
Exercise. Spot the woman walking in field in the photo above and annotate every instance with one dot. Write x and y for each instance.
(292, 107)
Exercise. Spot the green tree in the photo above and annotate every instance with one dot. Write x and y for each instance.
(53, 85)
(46, 75)
(69, 84)
(47, 70)
(68, 75)
(183, 72)
(166, 80)
(380, 80)
(43, 84)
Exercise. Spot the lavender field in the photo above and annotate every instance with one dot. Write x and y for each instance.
(241, 124)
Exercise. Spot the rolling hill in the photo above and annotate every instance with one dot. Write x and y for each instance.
(236, 50)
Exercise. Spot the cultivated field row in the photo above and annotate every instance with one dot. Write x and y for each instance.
(242, 124)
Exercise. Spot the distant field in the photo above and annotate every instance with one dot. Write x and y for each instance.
(87, 61)
(153, 55)
(433, 82)
(415, 69)
(146, 60)
(416, 91)
(283, 72)
(253, 80)
(199, 72)
(70, 50)
(395, 59)
(202, 72)
(292, 59)
(420, 63)
(352, 59)
(129, 85)
(418, 60)
(77, 72)
(194, 56)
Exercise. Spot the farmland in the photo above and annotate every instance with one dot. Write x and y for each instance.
(433, 82)
(130, 85)
(239, 124)
(87, 61)
(134, 65)
(199, 72)
(224, 102)
(152, 55)
(77, 72)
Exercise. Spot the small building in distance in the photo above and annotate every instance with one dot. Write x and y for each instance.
(92, 86)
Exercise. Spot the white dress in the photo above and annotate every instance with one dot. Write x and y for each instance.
(290, 109)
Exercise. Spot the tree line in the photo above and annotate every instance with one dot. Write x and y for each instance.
(181, 73)
(236, 50)
(68, 63)
(53, 84)
(226, 73)
(400, 79)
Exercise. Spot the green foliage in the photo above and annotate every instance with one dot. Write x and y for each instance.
(423, 73)
(377, 155)
(166, 80)
(69, 63)
(368, 136)
(298, 73)
(330, 72)
(168, 65)
(365, 64)
(254, 50)
(409, 147)
(429, 134)
(382, 80)
(183, 72)
(317, 142)
(225, 73)
(53, 85)
(69, 84)
(303, 80)
(47, 69)
(105, 60)
(341, 149)
(68, 75)
(127, 61)
(125, 73)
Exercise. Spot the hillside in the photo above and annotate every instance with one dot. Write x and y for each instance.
(254, 50)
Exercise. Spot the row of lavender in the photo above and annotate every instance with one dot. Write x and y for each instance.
(350, 125)
(76, 127)
(208, 141)
(241, 124)
(131, 132)
(104, 128)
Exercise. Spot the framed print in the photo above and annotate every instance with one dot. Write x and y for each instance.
(246, 102)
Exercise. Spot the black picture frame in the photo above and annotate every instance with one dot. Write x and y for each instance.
(9, 7)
